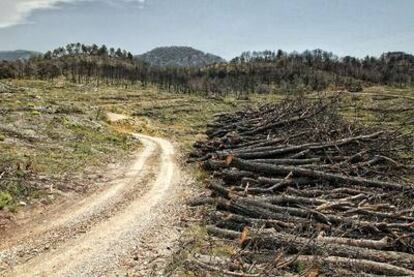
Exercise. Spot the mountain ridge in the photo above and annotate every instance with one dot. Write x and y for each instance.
(179, 56)
(19, 54)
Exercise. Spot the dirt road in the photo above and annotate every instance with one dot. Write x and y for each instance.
(97, 235)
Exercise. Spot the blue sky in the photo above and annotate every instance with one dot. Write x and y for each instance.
(222, 27)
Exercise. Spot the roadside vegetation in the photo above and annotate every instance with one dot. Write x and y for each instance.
(53, 139)
(54, 136)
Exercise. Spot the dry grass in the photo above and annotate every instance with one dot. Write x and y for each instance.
(53, 133)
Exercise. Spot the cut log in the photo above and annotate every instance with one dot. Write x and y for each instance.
(288, 199)
(278, 184)
(258, 222)
(272, 125)
(218, 270)
(382, 244)
(287, 161)
(308, 146)
(276, 170)
(356, 265)
(298, 244)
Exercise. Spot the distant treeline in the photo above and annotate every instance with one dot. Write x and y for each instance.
(251, 72)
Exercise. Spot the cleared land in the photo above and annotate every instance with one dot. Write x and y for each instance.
(55, 137)
(59, 147)
(72, 175)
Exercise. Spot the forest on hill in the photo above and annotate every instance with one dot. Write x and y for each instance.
(179, 56)
(17, 55)
(251, 72)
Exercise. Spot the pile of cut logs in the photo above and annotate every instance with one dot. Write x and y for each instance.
(302, 189)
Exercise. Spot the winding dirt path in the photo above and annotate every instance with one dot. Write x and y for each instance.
(97, 235)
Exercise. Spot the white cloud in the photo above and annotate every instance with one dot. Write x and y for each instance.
(13, 12)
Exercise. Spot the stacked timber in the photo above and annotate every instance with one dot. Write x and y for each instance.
(295, 183)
